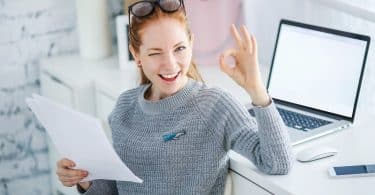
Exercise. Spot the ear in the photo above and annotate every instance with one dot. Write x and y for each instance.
(134, 53)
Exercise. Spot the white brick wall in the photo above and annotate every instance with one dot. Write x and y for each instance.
(30, 30)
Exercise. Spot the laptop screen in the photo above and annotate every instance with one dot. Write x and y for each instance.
(318, 68)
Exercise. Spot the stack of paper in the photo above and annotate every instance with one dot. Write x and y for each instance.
(80, 137)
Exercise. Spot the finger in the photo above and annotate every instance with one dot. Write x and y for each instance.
(246, 34)
(68, 184)
(70, 179)
(223, 65)
(71, 173)
(236, 36)
(65, 163)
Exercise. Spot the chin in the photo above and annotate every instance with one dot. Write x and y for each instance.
(172, 87)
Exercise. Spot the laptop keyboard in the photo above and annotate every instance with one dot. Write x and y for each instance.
(298, 121)
(301, 121)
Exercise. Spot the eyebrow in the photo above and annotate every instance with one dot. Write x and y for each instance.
(158, 49)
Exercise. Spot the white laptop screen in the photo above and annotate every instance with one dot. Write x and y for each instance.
(317, 69)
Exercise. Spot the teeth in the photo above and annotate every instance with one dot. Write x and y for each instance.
(169, 76)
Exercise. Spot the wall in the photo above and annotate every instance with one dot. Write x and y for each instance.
(29, 31)
(262, 18)
(210, 24)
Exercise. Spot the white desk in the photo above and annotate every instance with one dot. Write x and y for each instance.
(354, 144)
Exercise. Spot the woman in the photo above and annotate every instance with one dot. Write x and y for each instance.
(173, 131)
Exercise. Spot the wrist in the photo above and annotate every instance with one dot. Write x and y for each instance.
(83, 186)
(253, 85)
(259, 96)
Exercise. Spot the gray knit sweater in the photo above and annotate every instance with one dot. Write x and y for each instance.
(178, 145)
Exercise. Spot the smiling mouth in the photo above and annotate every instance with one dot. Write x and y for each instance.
(169, 77)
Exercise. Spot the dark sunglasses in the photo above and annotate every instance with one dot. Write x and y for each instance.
(144, 8)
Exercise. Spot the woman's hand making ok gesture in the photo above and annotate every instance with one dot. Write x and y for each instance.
(246, 69)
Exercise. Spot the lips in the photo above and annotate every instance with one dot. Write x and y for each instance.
(169, 77)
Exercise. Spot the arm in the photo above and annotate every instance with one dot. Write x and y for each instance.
(98, 187)
(267, 144)
(263, 140)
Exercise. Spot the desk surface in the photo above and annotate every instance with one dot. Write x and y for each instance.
(355, 146)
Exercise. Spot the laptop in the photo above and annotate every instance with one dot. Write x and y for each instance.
(315, 78)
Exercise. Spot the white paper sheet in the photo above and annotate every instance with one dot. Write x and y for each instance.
(80, 137)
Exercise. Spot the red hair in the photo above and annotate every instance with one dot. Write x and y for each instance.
(135, 37)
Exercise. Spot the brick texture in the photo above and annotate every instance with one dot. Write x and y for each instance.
(29, 31)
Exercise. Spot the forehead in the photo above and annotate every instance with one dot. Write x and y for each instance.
(163, 31)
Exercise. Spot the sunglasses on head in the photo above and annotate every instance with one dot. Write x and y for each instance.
(144, 8)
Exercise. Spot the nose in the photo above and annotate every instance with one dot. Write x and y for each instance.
(169, 61)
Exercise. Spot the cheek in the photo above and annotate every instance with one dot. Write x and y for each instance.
(186, 58)
(149, 67)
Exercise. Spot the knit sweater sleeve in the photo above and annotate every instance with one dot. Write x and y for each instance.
(99, 187)
(262, 140)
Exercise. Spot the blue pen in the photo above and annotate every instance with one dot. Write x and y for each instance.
(173, 136)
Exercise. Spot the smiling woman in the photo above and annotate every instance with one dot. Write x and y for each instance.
(173, 131)
(165, 60)
(179, 39)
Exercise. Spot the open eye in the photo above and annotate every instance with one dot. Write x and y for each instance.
(180, 48)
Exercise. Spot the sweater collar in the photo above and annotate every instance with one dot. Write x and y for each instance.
(169, 103)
